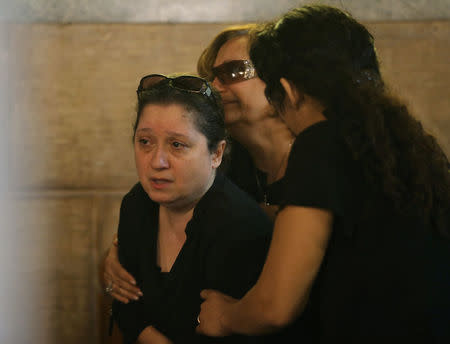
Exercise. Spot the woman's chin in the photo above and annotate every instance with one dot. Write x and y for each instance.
(233, 116)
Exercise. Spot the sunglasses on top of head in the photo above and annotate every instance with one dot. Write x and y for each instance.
(234, 71)
(187, 83)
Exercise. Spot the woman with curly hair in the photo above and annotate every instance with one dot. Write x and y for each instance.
(361, 245)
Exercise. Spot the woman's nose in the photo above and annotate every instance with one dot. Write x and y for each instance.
(218, 84)
(159, 159)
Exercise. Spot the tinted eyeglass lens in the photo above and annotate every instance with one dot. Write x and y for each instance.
(188, 83)
(234, 71)
(150, 81)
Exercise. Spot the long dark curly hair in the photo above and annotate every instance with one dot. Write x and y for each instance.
(328, 55)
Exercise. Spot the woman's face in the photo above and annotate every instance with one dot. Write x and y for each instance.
(245, 100)
(173, 162)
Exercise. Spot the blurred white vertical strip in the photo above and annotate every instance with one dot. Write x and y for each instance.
(22, 282)
(13, 317)
(10, 303)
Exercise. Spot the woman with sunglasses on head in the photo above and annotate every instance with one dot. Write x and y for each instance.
(184, 226)
(361, 242)
(260, 140)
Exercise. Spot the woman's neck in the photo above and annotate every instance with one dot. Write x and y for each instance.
(171, 236)
(174, 221)
(268, 142)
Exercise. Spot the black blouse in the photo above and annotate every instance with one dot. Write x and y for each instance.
(227, 241)
(382, 280)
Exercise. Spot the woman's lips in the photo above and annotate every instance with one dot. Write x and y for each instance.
(227, 102)
(159, 183)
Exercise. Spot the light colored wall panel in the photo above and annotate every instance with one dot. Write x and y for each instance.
(415, 61)
(58, 232)
(108, 220)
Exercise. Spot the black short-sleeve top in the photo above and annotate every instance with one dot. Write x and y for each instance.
(381, 279)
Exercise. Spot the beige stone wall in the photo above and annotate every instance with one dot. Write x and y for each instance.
(71, 111)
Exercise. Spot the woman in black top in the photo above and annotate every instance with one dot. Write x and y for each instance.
(361, 243)
(260, 141)
(183, 227)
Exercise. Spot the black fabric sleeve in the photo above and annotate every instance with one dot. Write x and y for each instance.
(233, 268)
(315, 175)
(130, 318)
(234, 265)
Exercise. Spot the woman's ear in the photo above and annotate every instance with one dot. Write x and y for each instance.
(294, 96)
(218, 154)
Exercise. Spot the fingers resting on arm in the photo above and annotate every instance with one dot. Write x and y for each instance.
(122, 284)
(211, 317)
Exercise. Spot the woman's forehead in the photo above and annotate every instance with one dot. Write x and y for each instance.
(167, 113)
(234, 49)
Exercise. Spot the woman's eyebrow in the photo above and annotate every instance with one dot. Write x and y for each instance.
(144, 130)
(176, 134)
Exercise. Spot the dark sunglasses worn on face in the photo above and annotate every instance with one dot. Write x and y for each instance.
(185, 83)
(234, 71)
